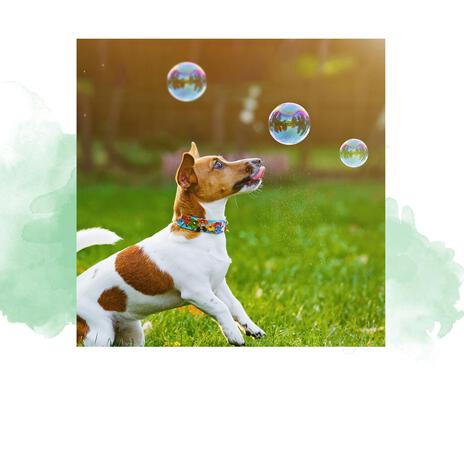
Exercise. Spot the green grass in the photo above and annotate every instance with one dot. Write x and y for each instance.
(308, 260)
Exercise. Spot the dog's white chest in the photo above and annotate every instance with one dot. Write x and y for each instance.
(218, 265)
(208, 256)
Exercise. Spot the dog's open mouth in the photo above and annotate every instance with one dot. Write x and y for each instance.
(251, 180)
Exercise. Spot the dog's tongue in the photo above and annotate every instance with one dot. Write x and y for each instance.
(259, 174)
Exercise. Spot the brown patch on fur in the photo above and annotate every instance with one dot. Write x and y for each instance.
(141, 273)
(186, 203)
(113, 299)
(82, 329)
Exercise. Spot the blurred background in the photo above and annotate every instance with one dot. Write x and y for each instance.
(128, 124)
(308, 248)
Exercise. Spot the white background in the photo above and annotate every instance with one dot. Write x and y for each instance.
(59, 404)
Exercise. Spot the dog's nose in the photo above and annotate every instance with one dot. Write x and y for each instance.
(252, 164)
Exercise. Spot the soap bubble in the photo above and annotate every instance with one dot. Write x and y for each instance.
(186, 81)
(353, 153)
(289, 123)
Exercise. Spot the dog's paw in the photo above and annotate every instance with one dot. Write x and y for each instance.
(252, 330)
(234, 337)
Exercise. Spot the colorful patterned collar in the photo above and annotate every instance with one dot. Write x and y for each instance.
(197, 224)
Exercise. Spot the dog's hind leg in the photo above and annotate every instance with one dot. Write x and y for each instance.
(129, 333)
(238, 312)
(97, 332)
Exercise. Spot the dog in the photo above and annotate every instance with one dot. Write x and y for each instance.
(185, 263)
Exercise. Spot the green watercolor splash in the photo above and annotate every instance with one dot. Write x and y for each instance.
(422, 281)
(37, 215)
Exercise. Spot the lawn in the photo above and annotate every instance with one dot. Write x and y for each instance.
(308, 260)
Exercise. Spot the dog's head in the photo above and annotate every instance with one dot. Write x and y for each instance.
(212, 177)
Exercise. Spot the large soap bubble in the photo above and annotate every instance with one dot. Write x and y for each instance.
(289, 123)
(186, 81)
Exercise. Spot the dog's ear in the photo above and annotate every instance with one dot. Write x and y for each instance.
(185, 176)
(194, 150)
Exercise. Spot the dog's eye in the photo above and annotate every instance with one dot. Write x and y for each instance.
(218, 164)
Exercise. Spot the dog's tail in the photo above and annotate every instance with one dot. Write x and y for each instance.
(95, 236)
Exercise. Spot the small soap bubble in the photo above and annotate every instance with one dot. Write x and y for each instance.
(353, 153)
(186, 81)
(289, 123)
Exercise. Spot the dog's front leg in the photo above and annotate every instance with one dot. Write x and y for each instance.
(238, 312)
(208, 302)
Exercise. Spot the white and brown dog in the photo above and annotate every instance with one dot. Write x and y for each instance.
(184, 263)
